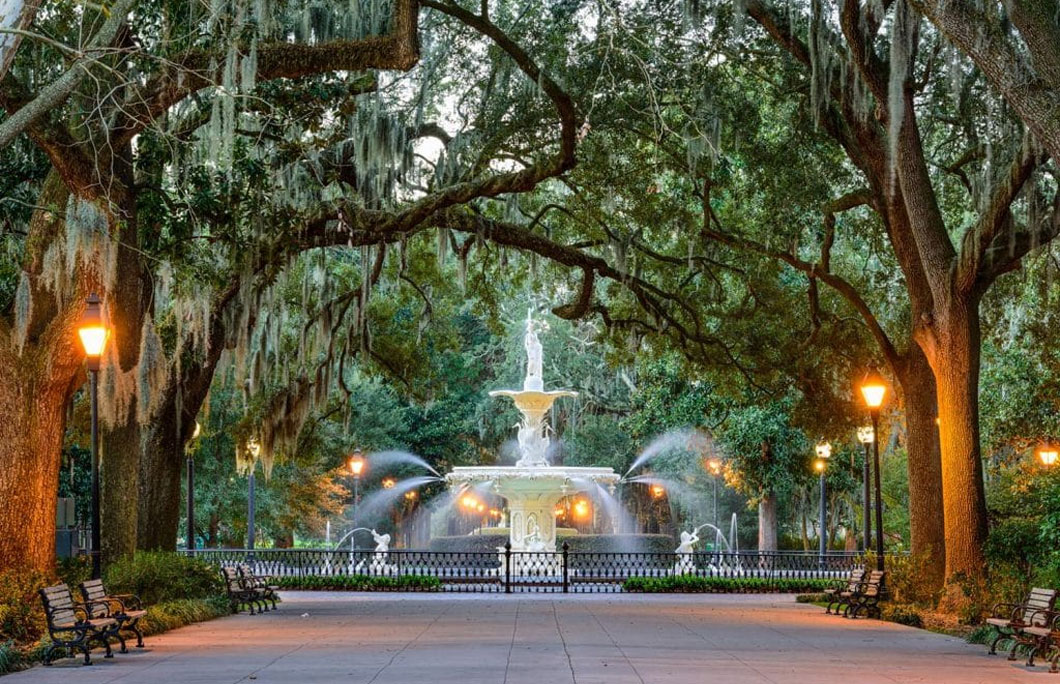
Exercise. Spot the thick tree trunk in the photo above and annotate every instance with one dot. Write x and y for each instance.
(161, 466)
(119, 465)
(956, 346)
(767, 522)
(32, 434)
(927, 529)
(128, 303)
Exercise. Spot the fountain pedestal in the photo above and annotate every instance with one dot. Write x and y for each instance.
(532, 493)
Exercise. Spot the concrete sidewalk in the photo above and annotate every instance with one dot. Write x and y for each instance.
(544, 639)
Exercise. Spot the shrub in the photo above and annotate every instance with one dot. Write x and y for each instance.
(966, 599)
(622, 543)
(720, 585)
(74, 570)
(473, 543)
(905, 575)
(359, 583)
(21, 616)
(173, 614)
(159, 577)
(902, 614)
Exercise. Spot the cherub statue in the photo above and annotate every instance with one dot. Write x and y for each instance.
(382, 542)
(685, 565)
(688, 540)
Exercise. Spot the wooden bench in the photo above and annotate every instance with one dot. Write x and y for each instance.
(839, 594)
(259, 582)
(70, 627)
(866, 596)
(127, 609)
(239, 593)
(1012, 620)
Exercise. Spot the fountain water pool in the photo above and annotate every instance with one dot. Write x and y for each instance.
(533, 487)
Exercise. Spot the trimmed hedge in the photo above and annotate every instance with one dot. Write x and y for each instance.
(359, 583)
(163, 576)
(723, 585)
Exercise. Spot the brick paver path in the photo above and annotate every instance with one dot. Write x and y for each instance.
(605, 639)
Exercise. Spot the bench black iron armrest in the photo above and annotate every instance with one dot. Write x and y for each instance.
(1006, 610)
(127, 601)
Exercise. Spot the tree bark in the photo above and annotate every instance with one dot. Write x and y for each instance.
(767, 522)
(32, 435)
(160, 468)
(954, 344)
(927, 531)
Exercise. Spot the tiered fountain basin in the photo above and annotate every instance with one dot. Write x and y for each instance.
(532, 493)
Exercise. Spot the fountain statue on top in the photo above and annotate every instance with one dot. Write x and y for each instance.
(533, 402)
(532, 487)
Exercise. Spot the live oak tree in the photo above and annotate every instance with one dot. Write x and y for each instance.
(872, 92)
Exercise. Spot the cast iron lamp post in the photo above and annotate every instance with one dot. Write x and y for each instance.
(873, 390)
(254, 448)
(190, 454)
(93, 334)
(714, 465)
(356, 468)
(866, 435)
(824, 452)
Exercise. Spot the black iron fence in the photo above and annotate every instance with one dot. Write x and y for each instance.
(564, 571)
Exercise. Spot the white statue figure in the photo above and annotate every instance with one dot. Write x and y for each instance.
(382, 542)
(533, 536)
(378, 564)
(532, 445)
(685, 565)
(533, 379)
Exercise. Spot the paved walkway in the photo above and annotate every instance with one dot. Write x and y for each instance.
(473, 639)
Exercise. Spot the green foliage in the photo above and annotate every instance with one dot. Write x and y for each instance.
(902, 614)
(905, 575)
(162, 577)
(359, 583)
(74, 570)
(180, 612)
(21, 616)
(723, 585)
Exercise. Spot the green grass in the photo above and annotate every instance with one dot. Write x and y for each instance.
(359, 583)
(723, 585)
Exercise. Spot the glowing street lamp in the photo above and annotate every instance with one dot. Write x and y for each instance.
(658, 491)
(254, 449)
(581, 509)
(189, 453)
(356, 464)
(824, 452)
(411, 495)
(714, 466)
(873, 390)
(1048, 455)
(388, 483)
(866, 435)
(93, 333)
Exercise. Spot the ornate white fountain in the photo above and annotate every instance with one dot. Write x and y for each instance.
(533, 487)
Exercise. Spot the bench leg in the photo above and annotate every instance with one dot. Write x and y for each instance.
(135, 627)
(88, 658)
(996, 641)
(1015, 647)
(48, 654)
